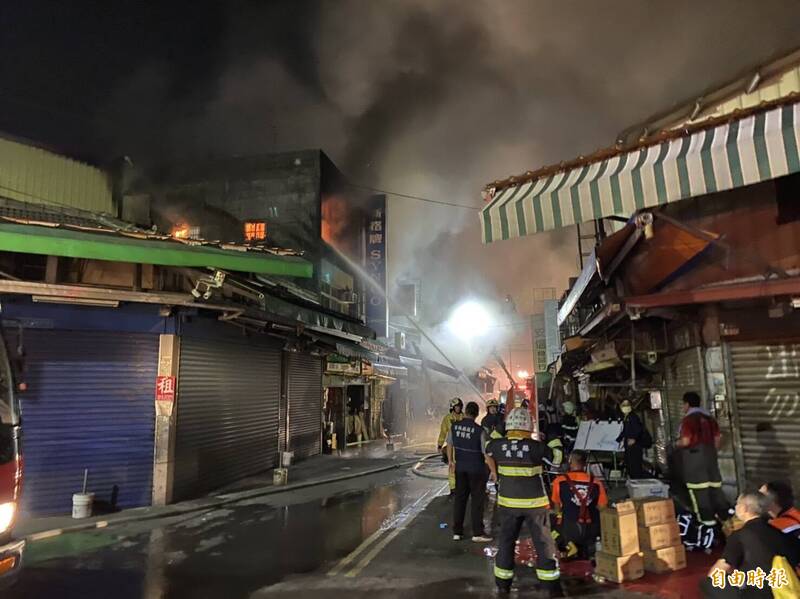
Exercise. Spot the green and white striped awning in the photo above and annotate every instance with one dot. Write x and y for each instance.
(761, 146)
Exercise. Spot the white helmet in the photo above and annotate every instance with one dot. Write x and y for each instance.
(569, 407)
(519, 419)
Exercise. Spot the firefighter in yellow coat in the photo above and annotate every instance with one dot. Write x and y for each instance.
(455, 415)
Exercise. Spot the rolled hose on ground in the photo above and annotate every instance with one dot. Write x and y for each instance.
(416, 468)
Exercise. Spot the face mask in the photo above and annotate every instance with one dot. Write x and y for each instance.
(626, 410)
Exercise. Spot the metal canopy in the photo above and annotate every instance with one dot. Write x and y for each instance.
(55, 241)
(707, 158)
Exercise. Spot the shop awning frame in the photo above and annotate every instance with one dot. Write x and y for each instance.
(67, 243)
(713, 156)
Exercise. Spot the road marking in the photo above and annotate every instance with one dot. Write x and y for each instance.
(45, 535)
(356, 552)
(416, 508)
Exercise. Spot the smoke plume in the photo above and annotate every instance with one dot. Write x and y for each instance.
(429, 98)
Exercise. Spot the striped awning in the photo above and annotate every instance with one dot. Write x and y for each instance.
(761, 146)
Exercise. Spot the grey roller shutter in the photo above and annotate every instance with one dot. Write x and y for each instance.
(305, 405)
(227, 415)
(766, 379)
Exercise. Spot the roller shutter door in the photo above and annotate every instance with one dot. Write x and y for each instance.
(766, 379)
(684, 372)
(305, 405)
(227, 415)
(89, 404)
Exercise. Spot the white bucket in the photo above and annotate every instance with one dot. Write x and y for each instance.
(82, 505)
(280, 476)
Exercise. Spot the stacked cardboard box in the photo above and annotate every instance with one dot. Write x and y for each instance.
(659, 535)
(620, 559)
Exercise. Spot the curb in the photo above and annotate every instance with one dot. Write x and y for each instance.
(209, 504)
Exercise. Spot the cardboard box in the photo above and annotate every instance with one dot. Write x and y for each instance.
(658, 536)
(619, 569)
(647, 487)
(652, 511)
(667, 559)
(619, 530)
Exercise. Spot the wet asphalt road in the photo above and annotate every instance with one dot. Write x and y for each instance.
(375, 536)
(230, 552)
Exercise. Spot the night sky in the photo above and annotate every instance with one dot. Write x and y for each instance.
(432, 98)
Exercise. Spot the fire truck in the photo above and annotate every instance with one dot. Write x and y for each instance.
(11, 549)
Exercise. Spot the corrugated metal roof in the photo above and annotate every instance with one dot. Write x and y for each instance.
(32, 174)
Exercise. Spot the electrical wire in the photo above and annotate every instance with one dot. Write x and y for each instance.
(413, 197)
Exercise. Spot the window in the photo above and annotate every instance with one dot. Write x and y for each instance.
(255, 230)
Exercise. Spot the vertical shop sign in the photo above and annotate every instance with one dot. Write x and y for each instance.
(375, 263)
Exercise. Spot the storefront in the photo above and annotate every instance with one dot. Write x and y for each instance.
(229, 390)
(90, 374)
(305, 414)
(765, 387)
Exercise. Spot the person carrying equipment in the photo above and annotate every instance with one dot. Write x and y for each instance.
(517, 462)
(576, 497)
(455, 415)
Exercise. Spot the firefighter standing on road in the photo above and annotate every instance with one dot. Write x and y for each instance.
(518, 461)
(455, 415)
(699, 441)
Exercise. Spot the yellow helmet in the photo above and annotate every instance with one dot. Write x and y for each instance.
(490, 403)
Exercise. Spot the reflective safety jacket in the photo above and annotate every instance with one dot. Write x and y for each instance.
(493, 425)
(569, 428)
(520, 463)
(447, 424)
(788, 522)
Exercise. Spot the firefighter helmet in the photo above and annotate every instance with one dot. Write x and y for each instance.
(492, 403)
(456, 403)
(519, 419)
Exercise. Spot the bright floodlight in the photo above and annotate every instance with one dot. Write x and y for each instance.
(469, 320)
(523, 374)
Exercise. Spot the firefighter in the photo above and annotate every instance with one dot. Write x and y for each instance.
(576, 497)
(569, 425)
(699, 440)
(493, 423)
(455, 415)
(518, 461)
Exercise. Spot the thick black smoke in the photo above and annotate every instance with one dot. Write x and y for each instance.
(428, 97)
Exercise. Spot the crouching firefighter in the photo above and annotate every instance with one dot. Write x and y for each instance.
(518, 462)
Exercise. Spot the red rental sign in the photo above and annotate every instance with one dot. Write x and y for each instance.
(165, 388)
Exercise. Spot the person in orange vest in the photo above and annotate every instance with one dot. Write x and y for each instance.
(784, 516)
(577, 497)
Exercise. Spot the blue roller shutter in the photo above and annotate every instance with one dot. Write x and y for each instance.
(90, 405)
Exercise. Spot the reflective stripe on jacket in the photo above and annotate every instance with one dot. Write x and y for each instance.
(519, 468)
